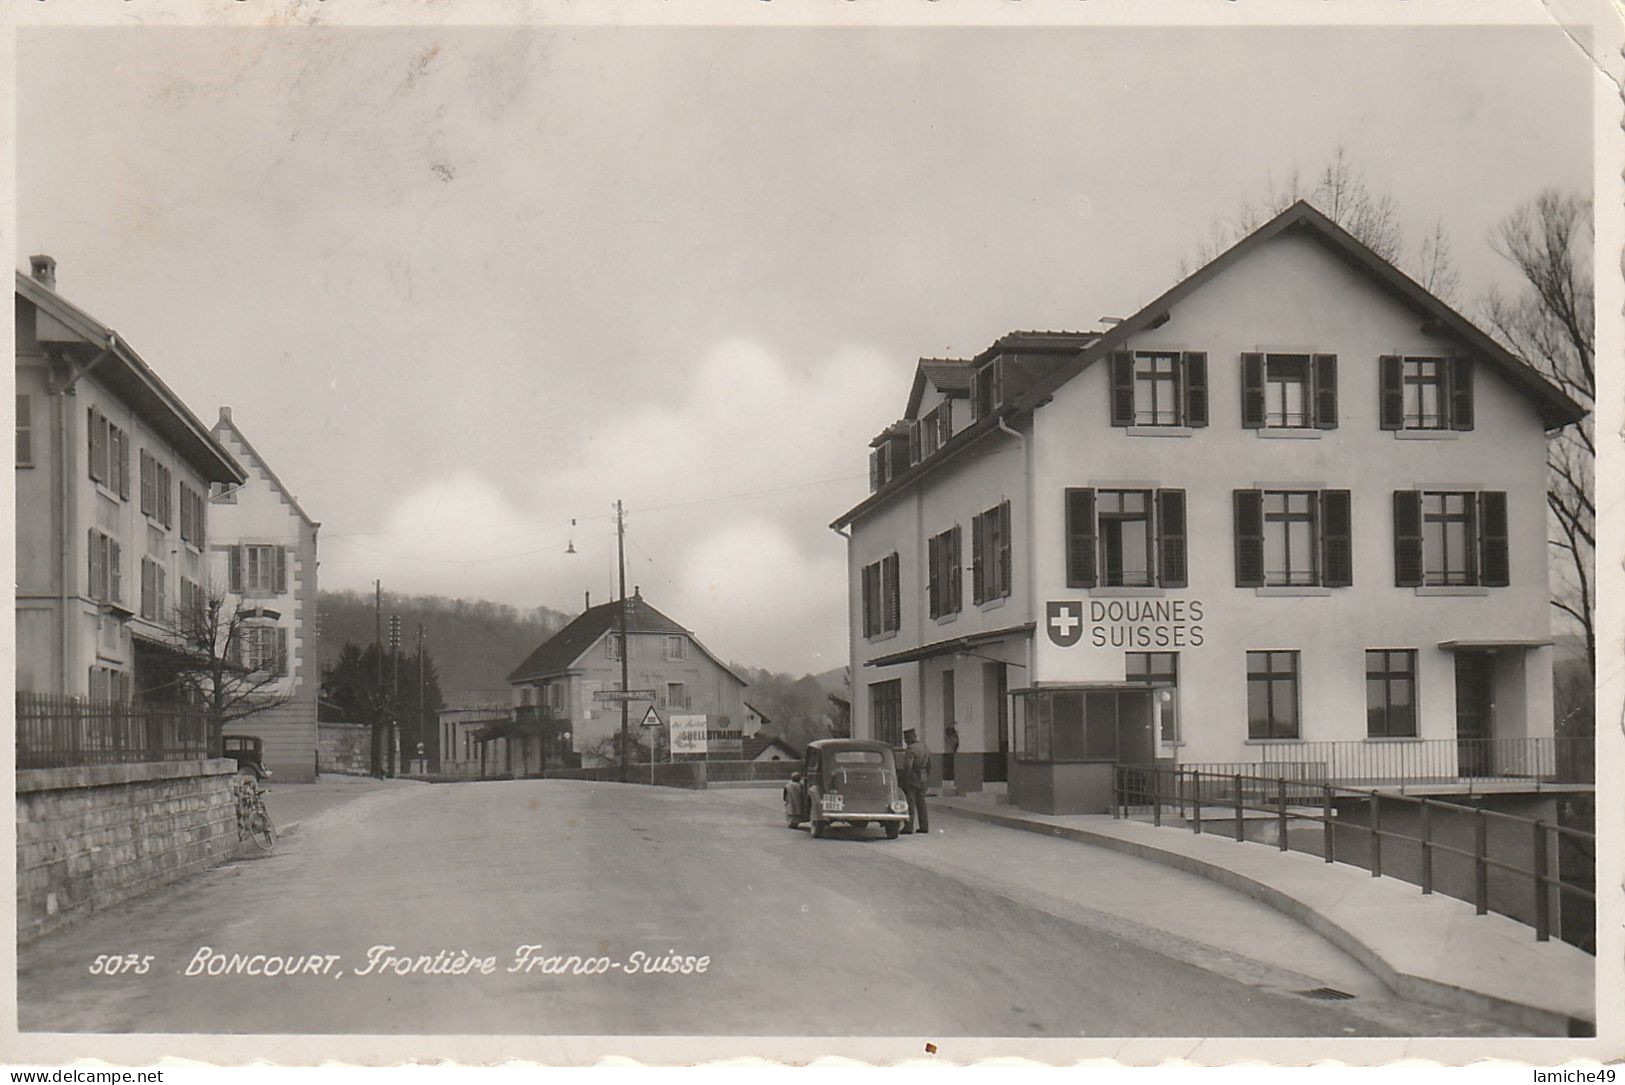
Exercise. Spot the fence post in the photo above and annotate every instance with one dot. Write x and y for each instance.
(1427, 847)
(1543, 902)
(1117, 792)
(1280, 803)
(1376, 835)
(1481, 868)
(1196, 803)
(1156, 797)
(1239, 836)
(1326, 821)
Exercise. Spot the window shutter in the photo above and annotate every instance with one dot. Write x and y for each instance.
(200, 521)
(1249, 529)
(1252, 391)
(1461, 393)
(234, 577)
(115, 571)
(1171, 550)
(90, 438)
(1392, 391)
(122, 472)
(1080, 538)
(165, 496)
(871, 599)
(956, 592)
(1122, 404)
(160, 593)
(281, 570)
(1005, 575)
(146, 483)
(234, 644)
(1325, 384)
(874, 470)
(91, 546)
(978, 558)
(933, 575)
(1195, 366)
(281, 651)
(945, 424)
(1336, 539)
(1407, 538)
(146, 588)
(1494, 568)
(890, 589)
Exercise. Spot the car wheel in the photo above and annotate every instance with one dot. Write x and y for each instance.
(892, 829)
(819, 828)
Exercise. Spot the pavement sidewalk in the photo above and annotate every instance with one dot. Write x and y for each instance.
(291, 805)
(1431, 949)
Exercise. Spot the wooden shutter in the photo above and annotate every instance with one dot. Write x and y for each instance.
(121, 468)
(115, 570)
(1461, 393)
(978, 558)
(1407, 538)
(1252, 391)
(92, 566)
(1005, 575)
(234, 576)
(945, 423)
(1194, 364)
(1392, 391)
(147, 588)
(1494, 570)
(869, 599)
(160, 592)
(200, 521)
(1171, 549)
(281, 651)
(146, 483)
(1249, 530)
(1080, 538)
(1336, 539)
(1122, 404)
(933, 575)
(874, 470)
(956, 594)
(90, 437)
(1323, 380)
(892, 592)
(166, 496)
(281, 570)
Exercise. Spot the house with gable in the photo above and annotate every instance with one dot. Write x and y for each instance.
(1291, 511)
(561, 718)
(263, 550)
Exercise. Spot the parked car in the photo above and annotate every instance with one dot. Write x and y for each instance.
(848, 780)
(249, 753)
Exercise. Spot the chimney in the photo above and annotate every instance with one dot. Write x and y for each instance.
(43, 269)
(225, 414)
(589, 601)
(637, 592)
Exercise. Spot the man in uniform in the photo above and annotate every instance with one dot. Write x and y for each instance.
(916, 771)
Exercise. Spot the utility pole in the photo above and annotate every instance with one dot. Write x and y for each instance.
(626, 649)
(378, 698)
(422, 728)
(395, 697)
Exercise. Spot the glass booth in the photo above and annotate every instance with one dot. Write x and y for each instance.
(1069, 739)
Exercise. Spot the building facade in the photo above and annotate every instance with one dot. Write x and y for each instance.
(1293, 510)
(112, 474)
(557, 688)
(263, 560)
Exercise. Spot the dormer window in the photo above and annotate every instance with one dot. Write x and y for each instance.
(890, 457)
(933, 431)
(987, 389)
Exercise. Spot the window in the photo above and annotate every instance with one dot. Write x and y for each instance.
(1293, 538)
(675, 648)
(944, 583)
(1159, 669)
(1390, 692)
(100, 469)
(1289, 391)
(193, 608)
(886, 711)
(889, 459)
(1426, 393)
(1272, 694)
(987, 389)
(676, 695)
(156, 481)
(108, 684)
(154, 593)
(223, 492)
(990, 554)
(263, 648)
(933, 431)
(1125, 538)
(1159, 388)
(192, 515)
(612, 646)
(1450, 539)
(258, 569)
(882, 602)
(1070, 724)
(25, 431)
(106, 567)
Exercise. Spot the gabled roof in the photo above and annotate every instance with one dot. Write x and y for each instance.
(559, 653)
(132, 379)
(1556, 409)
(227, 423)
(950, 376)
(756, 745)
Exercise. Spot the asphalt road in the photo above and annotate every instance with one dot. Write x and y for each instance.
(851, 935)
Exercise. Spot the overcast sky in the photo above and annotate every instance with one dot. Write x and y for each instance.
(463, 286)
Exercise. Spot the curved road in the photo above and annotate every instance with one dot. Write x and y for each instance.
(976, 931)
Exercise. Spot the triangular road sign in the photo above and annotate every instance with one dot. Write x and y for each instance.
(651, 718)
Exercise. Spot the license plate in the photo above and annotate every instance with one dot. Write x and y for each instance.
(834, 802)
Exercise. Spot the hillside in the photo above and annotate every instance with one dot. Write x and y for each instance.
(475, 643)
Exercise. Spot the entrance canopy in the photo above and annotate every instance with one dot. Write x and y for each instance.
(1493, 645)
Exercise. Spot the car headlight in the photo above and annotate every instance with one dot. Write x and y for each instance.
(899, 806)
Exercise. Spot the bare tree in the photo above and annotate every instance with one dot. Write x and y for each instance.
(1550, 323)
(235, 662)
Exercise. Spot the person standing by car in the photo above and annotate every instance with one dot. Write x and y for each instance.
(916, 771)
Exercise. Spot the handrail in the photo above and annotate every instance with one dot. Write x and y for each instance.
(1274, 796)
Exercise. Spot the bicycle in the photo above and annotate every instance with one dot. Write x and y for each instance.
(253, 821)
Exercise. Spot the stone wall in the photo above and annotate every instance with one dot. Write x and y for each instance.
(343, 748)
(90, 837)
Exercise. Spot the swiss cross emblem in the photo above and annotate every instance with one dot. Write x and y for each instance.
(1063, 621)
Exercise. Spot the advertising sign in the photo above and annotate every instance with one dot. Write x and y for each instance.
(687, 734)
(725, 744)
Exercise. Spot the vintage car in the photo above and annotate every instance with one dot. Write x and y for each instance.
(848, 780)
(249, 753)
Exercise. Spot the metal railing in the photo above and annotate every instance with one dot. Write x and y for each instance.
(62, 732)
(1437, 760)
(1457, 833)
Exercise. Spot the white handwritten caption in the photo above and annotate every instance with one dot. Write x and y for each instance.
(383, 960)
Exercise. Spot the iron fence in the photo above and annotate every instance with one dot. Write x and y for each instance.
(1422, 834)
(62, 732)
(1436, 760)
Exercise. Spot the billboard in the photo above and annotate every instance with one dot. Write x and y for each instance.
(687, 734)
